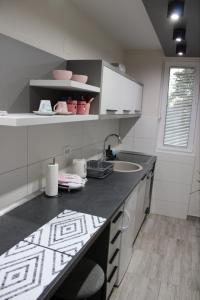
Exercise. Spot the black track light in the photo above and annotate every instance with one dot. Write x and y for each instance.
(181, 49)
(175, 10)
(179, 35)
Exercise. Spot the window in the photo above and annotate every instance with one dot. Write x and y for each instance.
(179, 107)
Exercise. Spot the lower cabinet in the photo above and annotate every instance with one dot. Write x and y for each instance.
(124, 228)
(133, 218)
(140, 210)
(128, 234)
(114, 251)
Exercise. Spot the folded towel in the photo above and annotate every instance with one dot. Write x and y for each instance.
(67, 179)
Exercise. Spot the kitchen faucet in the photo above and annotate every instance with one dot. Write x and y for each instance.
(106, 139)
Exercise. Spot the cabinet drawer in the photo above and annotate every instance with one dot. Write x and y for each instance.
(111, 280)
(113, 261)
(116, 223)
(114, 244)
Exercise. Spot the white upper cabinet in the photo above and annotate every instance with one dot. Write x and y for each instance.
(119, 94)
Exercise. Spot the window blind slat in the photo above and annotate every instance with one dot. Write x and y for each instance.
(179, 106)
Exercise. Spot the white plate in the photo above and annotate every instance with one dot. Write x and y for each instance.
(49, 113)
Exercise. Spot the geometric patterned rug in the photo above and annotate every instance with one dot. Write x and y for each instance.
(67, 233)
(26, 269)
(31, 265)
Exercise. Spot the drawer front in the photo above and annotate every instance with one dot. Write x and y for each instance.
(112, 278)
(114, 244)
(113, 261)
(116, 223)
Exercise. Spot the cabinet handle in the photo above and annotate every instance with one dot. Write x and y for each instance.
(116, 236)
(111, 110)
(137, 111)
(124, 228)
(126, 111)
(114, 255)
(116, 218)
(112, 274)
(143, 177)
(150, 175)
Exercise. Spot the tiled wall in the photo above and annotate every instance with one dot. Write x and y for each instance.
(140, 135)
(194, 205)
(57, 27)
(25, 152)
(175, 174)
(172, 185)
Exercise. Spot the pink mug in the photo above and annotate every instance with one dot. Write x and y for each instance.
(81, 107)
(61, 107)
(72, 106)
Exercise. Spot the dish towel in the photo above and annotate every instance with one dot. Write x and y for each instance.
(71, 181)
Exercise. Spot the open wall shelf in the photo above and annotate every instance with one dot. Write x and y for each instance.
(69, 85)
(31, 119)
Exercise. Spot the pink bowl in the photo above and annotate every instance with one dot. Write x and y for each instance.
(80, 78)
(62, 74)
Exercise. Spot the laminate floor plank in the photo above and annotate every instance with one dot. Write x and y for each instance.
(165, 263)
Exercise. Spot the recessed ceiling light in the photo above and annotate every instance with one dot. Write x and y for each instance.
(181, 49)
(175, 10)
(179, 35)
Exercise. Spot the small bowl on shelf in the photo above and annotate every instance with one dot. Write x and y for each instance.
(80, 78)
(62, 74)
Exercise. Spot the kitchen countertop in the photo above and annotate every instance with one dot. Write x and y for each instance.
(99, 197)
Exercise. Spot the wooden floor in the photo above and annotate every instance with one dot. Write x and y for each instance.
(166, 262)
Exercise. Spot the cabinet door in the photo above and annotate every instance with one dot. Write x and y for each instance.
(139, 216)
(111, 91)
(119, 93)
(128, 230)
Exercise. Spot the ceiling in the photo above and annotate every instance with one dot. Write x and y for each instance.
(157, 10)
(125, 20)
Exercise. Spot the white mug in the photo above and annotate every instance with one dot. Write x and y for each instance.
(80, 167)
(45, 106)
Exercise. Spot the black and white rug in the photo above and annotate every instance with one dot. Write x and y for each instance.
(26, 269)
(68, 232)
(31, 265)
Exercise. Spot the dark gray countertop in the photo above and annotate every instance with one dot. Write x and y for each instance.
(101, 197)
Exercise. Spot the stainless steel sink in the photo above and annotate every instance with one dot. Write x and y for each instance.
(125, 166)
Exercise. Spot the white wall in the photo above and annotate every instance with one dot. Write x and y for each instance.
(174, 172)
(194, 204)
(146, 67)
(25, 152)
(59, 28)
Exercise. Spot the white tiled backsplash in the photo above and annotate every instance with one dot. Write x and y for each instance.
(173, 173)
(141, 136)
(25, 152)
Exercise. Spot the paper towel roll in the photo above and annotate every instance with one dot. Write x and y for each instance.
(52, 180)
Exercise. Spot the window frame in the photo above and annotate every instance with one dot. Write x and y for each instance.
(163, 110)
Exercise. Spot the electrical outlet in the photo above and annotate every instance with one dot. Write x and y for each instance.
(67, 150)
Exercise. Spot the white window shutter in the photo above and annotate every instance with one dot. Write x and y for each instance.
(179, 106)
